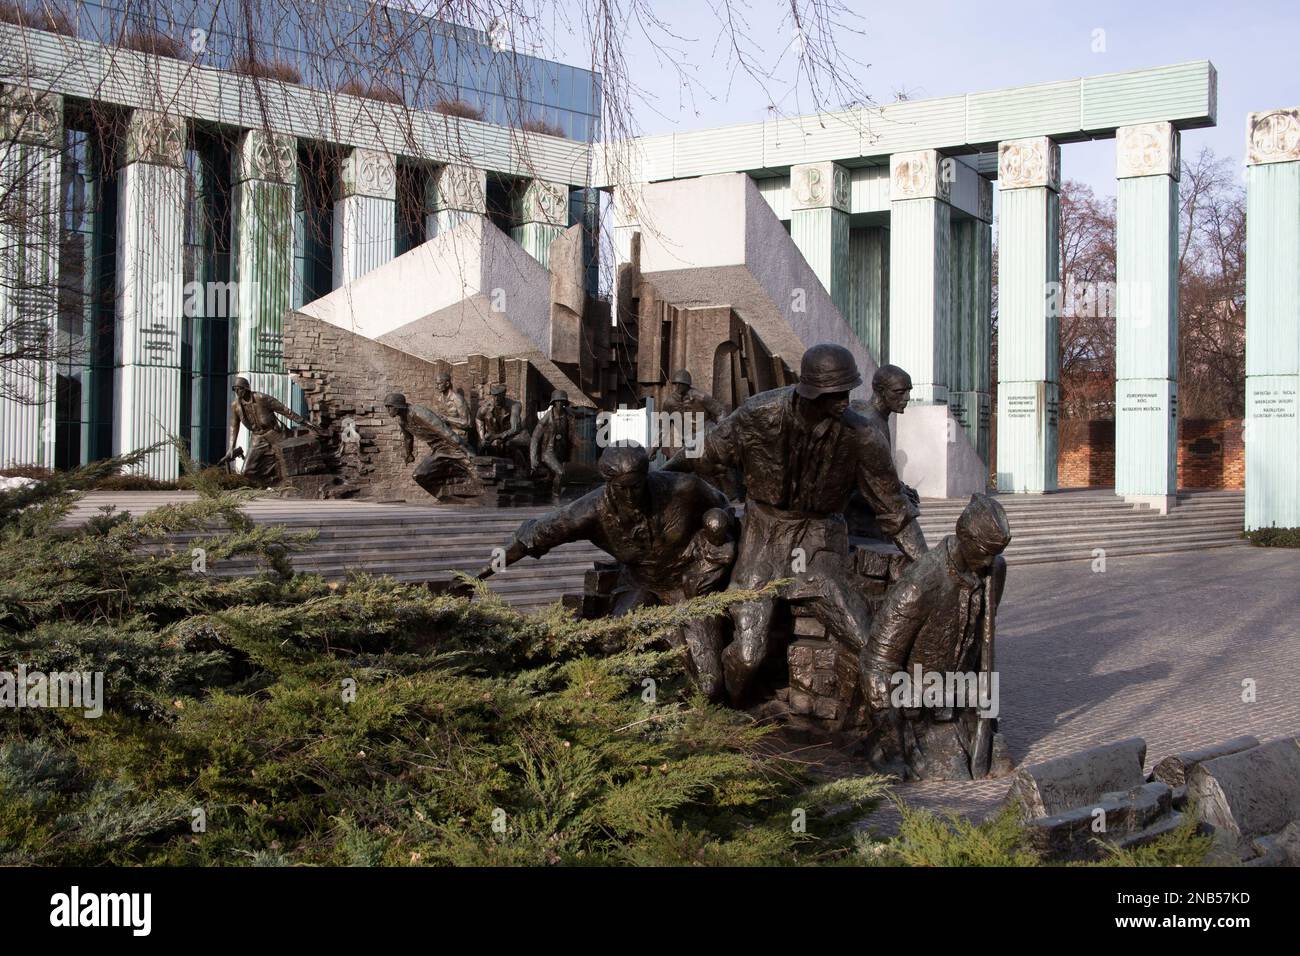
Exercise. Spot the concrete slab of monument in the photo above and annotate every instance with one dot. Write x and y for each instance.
(469, 291)
(934, 454)
(714, 241)
(1251, 797)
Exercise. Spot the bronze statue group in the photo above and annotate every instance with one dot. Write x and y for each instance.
(805, 458)
(820, 491)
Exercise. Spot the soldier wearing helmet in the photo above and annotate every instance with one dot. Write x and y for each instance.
(671, 532)
(801, 453)
(257, 412)
(554, 439)
(680, 400)
(448, 462)
(501, 428)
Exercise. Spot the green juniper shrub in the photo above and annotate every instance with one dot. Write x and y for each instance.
(276, 719)
(1274, 537)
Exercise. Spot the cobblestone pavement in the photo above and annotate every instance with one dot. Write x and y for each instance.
(1156, 647)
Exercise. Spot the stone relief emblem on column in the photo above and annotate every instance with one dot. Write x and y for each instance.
(985, 208)
(459, 188)
(30, 116)
(545, 203)
(1273, 137)
(1024, 163)
(369, 173)
(819, 185)
(1147, 149)
(155, 138)
(269, 156)
(918, 175)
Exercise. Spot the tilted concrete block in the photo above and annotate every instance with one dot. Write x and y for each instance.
(1174, 769)
(1121, 818)
(1063, 783)
(1251, 793)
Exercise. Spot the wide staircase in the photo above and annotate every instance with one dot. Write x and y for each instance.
(428, 542)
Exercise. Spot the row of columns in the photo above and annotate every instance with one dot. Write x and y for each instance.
(918, 293)
(150, 272)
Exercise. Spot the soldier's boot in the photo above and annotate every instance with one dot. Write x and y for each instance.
(746, 653)
(703, 641)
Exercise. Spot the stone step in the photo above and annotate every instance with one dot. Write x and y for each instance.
(442, 554)
(449, 528)
(419, 542)
(479, 546)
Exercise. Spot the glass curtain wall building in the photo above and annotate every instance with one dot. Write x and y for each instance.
(385, 52)
(356, 46)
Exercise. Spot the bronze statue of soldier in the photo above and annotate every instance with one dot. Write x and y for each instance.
(801, 452)
(891, 391)
(682, 400)
(501, 428)
(554, 439)
(938, 619)
(671, 532)
(258, 412)
(448, 462)
(450, 406)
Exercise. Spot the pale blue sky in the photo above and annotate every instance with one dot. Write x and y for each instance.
(935, 48)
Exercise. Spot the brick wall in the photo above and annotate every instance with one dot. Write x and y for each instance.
(343, 376)
(1210, 454)
(1086, 454)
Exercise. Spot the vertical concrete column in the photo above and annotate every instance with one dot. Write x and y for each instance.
(365, 217)
(262, 241)
(31, 149)
(1029, 267)
(626, 210)
(150, 290)
(541, 213)
(868, 313)
(972, 308)
(920, 238)
(819, 224)
(1146, 314)
(458, 193)
(1273, 319)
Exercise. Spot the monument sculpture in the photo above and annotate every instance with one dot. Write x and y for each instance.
(501, 428)
(801, 452)
(447, 470)
(848, 624)
(938, 620)
(450, 406)
(260, 414)
(553, 440)
(891, 391)
(671, 532)
(682, 400)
